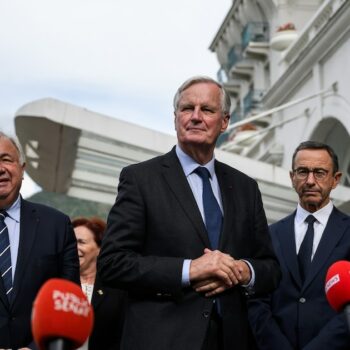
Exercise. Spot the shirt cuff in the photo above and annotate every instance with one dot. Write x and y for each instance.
(251, 283)
(186, 273)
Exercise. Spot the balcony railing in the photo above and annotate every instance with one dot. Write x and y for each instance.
(223, 138)
(256, 32)
(252, 100)
(236, 115)
(222, 75)
(234, 56)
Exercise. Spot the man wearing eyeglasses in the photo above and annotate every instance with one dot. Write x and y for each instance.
(297, 315)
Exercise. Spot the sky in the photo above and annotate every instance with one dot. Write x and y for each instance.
(124, 59)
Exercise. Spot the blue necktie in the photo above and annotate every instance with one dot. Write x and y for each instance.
(5, 255)
(305, 251)
(212, 211)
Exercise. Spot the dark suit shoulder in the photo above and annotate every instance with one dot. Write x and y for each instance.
(233, 171)
(147, 165)
(282, 226)
(151, 169)
(42, 209)
(237, 174)
(151, 164)
(282, 221)
(336, 212)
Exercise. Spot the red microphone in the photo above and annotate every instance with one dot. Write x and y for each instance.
(337, 287)
(62, 317)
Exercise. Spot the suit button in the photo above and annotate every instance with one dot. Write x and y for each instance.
(302, 300)
(206, 314)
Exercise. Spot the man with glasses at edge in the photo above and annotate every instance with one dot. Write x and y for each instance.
(297, 315)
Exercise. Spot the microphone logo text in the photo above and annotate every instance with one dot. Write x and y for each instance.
(331, 282)
(69, 302)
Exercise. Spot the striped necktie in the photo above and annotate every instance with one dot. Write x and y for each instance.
(5, 255)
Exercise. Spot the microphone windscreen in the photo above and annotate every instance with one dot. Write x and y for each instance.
(61, 311)
(337, 286)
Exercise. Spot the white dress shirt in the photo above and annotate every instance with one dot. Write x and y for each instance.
(196, 183)
(300, 226)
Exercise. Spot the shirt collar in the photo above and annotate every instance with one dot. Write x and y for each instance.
(321, 215)
(14, 211)
(189, 164)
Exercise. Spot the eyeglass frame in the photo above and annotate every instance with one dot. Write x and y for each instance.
(319, 174)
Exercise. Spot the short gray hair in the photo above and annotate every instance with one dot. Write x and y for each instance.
(225, 98)
(18, 146)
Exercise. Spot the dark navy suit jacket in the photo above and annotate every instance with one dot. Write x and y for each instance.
(47, 249)
(154, 225)
(296, 315)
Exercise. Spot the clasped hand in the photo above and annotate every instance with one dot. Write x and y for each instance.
(214, 272)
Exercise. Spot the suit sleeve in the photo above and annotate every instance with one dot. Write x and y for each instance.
(263, 259)
(265, 328)
(268, 334)
(123, 261)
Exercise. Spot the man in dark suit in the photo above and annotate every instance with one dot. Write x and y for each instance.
(297, 315)
(40, 245)
(187, 268)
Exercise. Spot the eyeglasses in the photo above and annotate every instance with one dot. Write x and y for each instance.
(303, 173)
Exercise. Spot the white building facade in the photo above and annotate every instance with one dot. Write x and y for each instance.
(292, 54)
(286, 87)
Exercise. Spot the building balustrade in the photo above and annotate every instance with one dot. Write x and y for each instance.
(252, 100)
(255, 32)
(234, 56)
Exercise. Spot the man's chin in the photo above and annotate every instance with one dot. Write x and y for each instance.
(195, 136)
(311, 205)
(3, 195)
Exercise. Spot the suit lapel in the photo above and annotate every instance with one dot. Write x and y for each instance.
(176, 179)
(28, 226)
(286, 237)
(228, 204)
(333, 232)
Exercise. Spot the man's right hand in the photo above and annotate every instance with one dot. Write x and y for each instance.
(215, 270)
